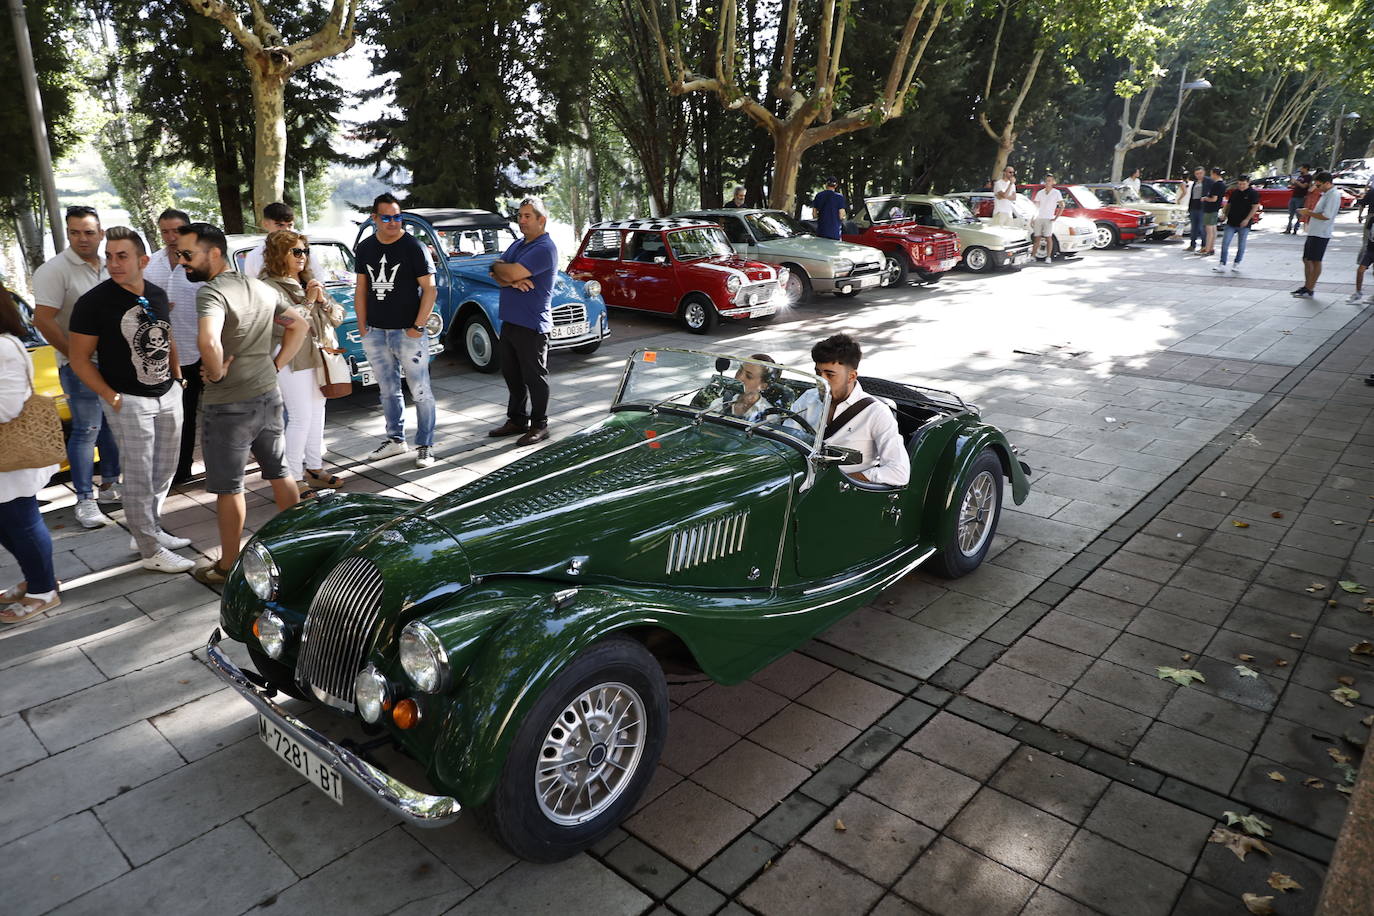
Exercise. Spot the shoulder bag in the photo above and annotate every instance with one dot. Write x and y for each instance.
(34, 438)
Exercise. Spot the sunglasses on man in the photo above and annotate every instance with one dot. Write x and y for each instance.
(388, 218)
(147, 310)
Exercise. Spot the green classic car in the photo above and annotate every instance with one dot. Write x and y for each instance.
(512, 635)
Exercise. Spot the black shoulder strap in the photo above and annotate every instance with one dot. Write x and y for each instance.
(850, 412)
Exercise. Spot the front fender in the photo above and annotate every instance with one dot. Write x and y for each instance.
(958, 458)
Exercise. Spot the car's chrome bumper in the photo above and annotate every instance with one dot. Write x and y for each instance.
(841, 284)
(597, 333)
(419, 808)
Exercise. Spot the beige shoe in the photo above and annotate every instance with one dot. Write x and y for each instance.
(27, 608)
(14, 593)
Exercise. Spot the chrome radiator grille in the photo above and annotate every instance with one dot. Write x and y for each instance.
(339, 630)
(569, 313)
(698, 544)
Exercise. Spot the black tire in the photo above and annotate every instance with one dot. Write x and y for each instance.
(928, 276)
(896, 268)
(477, 343)
(797, 289)
(978, 259)
(955, 559)
(699, 314)
(277, 675)
(587, 349)
(1108, 236)
(515, 812)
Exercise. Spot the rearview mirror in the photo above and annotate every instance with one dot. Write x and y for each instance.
(835, 454)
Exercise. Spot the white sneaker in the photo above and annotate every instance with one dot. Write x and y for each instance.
(166, 561)
(108, 494)
(1235, 268)
(424, 457)
(388, 449)
(1354, 297)
(170, 541)
(1219, 269)
(89, 515)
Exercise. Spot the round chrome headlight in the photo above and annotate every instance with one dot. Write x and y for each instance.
(372, 693)
(423, 658)
(733, 283)
(272, 633)
(434, 324)
(592, 288)
(260, 571)
(930, 250)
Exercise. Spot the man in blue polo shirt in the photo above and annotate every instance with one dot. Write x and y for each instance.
(525, 273)
(830, 210)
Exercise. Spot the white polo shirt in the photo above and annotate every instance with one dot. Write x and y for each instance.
(872, 432)
(63, 279)
(181, 294)
(1000, 205)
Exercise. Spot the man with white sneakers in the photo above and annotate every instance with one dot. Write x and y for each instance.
(1364, 259)
(1238, 213)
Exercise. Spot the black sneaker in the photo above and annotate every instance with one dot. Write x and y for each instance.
(1304, 294)
(1299, 291)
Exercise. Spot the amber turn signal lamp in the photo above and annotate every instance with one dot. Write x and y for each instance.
(406, 714)
(255, 629)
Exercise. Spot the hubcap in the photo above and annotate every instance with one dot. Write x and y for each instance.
(1103, 239)
(590, 754)
(976, 260)
(975, 513)
(696, 314)
(479, 345)
(792, 288)
(891, 270)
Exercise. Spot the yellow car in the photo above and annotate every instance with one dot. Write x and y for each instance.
(44, 358)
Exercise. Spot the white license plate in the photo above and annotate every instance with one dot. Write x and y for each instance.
(366, 378)
(297, 756)
(763, 312)
(564, 331)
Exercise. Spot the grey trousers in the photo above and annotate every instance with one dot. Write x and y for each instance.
(148, 431)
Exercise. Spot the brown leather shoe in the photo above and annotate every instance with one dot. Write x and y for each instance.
(509, 428)
(536, 434)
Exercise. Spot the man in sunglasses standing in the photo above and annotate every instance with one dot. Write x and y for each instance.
(126, 323)
(56, 287)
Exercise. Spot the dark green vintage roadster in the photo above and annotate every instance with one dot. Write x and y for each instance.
(512, 635)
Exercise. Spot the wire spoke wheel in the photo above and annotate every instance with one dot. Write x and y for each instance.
(590, 753)
(976, 513)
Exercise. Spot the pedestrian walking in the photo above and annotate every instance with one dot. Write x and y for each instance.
(126, 324)
(286, 266)
(736, 202)
(165, 270)
(22, 531)
(57, 284)
(1132, 182)
(1239, 214)
(242, 408)
(393, 298)
(1366, 201)
(1049, 203)
(525, 273)
(1300, 184)
(829, 209)
(1321, 221)
(1003, 197)
(1213, 197)
(1364, 259)
(1195, 191)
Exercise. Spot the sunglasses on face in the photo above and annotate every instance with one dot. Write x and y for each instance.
(185, 255)
(301, 252)
(387, 218)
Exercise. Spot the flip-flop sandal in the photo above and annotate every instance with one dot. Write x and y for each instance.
(19, 612)
(14, 593)
(326, 481)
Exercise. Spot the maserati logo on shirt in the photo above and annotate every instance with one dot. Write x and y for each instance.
(382, 282)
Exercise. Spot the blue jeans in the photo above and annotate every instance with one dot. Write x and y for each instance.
(89, 432)
(392, 354)
(1242, 232)
(1196, 233)
(1294, 205)
(23, 534)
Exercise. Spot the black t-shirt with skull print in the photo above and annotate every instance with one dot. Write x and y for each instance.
(133, 342)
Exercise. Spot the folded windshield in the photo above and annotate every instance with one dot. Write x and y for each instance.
(748, 392)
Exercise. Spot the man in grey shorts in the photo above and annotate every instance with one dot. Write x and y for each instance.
(241, 407)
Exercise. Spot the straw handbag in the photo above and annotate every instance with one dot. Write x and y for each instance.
(34, 438)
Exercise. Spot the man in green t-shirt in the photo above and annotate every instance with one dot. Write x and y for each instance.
(241, 406)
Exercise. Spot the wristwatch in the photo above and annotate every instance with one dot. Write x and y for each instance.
(416, 327)
(181, 380)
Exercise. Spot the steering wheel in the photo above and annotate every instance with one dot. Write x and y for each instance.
(715, 389)
(789, 414)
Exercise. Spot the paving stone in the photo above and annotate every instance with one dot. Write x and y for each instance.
(1214, 717)
(751, 776)
(849, 699)
(1033, 558)
(1114, 879)
(211, 723)
(1322, 810)
(1110, 612)
(140, 644)
(1047, 902)
(1190, 604)
(1318, 709)
(580, 885)
(645, 868)
(1051, 784)
(1272, 628)
(792, 675)
(473, 854)
(1011, 832)
(1127, 687)
(876, 841)
(693, 740)
(1230, 646)
(696, 898)
(740, 708)
(1074, 633)
(1311, 671)
(905, 645)
(871, 747)
(1225, 681)
(953, 879)
(1118, 770)
(244, 869)
(892, 905)
(56, 675)
(1143, 655)
(803, 735)
(981, 652)
(1161, 548)
(960, 744)
(985, 715)
(862, 668)
(1017, 692)
(1142, 566)
(689, 824)
(1286, 603)
(1157, 828)
(56, 863)
(803, 882)
(18, 746)
(1172, 630)
(1099, 723)
(833, 780)
(739, 862)
(1192, 757)
(1235, 877)
(1117, 585)
(786, 822)
(954, 675)
(1046, 660)
(960, 615)
(919, 788)
(909, 715)
(72, 627)
(306, 829)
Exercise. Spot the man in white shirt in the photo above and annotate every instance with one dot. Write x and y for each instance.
(857, 420)
(1321, 221)
(1003, 194)
(1133, 182)
(1049, 203)
(165, 270)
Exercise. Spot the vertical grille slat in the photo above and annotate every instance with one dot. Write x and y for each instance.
(707, 541)
(339, 628)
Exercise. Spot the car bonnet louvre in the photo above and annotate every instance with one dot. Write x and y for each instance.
(505, 477)
(339, 631)
(713, 539)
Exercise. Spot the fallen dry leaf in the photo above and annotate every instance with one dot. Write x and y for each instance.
(1337, 755)
(1295, 636)
(1240, 524)
(1353, 588)
(1368, 721)
(1316, 587)
(1184, 676)
(1281, 663)
(1344, 695)
(1346, 680)
(1246, 672)
(1332, 602)
(1363, 647)
(1260, 906)
(1248, 822)
(1313, 782)
(1238, 843)
(839, 826)
(1277, 776)
(1281, 882)
(1186, 656)
(1245, 657)
(1276, 515)
(1336, 521)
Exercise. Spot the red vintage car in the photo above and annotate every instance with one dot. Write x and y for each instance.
(908, 247)
(1275, 193)
(1116, 226)
(684, 268)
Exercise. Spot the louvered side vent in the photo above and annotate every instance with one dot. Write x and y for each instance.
(710, 540)
(339, 629)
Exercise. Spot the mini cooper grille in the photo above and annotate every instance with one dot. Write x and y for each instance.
(340, 628)
(707, 541)
(569, 313)
(947, 248)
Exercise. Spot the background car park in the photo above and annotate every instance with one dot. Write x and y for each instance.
(1116, 226)
(1170, 219)
(983, 247)
(1073, 235)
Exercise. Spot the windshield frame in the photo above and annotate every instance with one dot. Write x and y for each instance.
(726, 248)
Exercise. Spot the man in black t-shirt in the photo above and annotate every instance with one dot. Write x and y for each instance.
(393, 299)
(126, 324)
(1212, 197)
(1300, 184)
(1240, 210)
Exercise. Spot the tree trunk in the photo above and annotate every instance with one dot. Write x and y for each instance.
(269, 140)
(228, 178)
(1005, 144)
(787, 156)
(30, 238)
(593, 163)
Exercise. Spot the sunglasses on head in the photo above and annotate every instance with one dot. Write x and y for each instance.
(301, 252)
(387, 218)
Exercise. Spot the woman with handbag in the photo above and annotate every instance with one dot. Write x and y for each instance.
(286, 260)
(26, 437)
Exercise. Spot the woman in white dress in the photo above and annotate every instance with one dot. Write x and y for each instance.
(22, 531)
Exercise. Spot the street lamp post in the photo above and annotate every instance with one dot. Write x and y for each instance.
(1178, 118)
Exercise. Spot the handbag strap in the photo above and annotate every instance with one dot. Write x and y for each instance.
(850, 412)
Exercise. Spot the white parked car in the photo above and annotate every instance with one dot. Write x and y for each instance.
(1072, 234)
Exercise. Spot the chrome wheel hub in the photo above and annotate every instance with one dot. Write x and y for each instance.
(696, 314)
(975, 513)
(891, 270)
(1103, 238)
(590, 754)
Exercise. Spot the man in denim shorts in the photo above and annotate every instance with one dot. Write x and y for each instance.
(241, 408)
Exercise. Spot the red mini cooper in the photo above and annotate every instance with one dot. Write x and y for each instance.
(685, 268)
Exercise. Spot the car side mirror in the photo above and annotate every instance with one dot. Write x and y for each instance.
(835, 454)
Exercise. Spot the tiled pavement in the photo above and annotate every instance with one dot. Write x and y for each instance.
(995, 744)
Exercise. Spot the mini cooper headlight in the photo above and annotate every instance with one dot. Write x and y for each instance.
(434, 324)
(842, 266)
(733, 283)
(930, 250)
(423, 658)
(272, 633)
(260, 571)
(372, 693)
(592, 288)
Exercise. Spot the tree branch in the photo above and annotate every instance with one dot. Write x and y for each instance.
(224, 14)
(783, 88)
